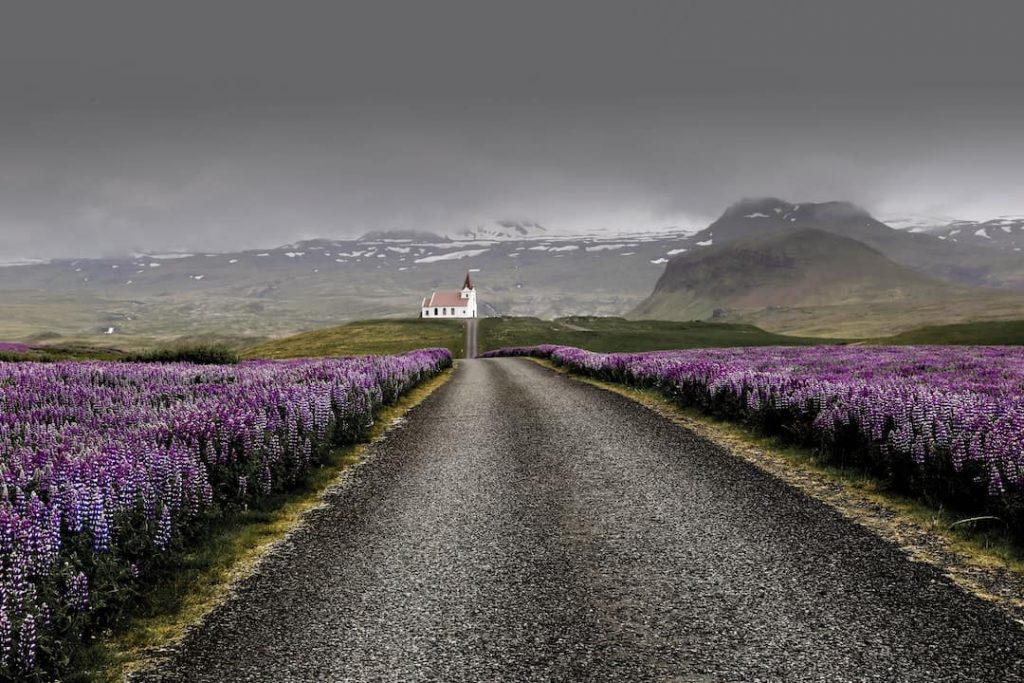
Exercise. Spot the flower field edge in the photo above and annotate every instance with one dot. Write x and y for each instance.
(232, 551)
(110, 471)
(945, 424)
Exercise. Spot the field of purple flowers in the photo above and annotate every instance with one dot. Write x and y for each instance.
(107, 468)
(14, 347)
(945, 423)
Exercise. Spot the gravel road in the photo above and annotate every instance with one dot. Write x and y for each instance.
(521, 526)
(471, 325)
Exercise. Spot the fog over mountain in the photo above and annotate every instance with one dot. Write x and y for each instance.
(246, 125)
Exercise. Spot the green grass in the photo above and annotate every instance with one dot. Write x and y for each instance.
(48, 354)
(204, 354)
(608, 335)
(366, 337)
(995, 333)
(603, 334)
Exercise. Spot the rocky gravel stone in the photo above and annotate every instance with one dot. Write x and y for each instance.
(520, 526)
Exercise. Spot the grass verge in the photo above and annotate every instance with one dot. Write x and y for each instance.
(230, 552)
(367, 337)
(604, 334)
(983, 560)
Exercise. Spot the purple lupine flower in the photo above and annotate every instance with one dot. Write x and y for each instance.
(5, 637)
(961, 405)
(87, 444)
(78, 592)
(27, 643)
(163, 529)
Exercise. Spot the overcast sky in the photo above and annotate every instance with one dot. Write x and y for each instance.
(215, 125)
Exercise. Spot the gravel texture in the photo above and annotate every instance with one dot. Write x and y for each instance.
(521, 526)
(471, 326)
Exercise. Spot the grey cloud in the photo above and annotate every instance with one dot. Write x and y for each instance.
(217, 125)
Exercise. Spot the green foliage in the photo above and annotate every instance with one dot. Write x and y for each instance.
(992, 333)
(367, 337)
(611, 335)
(52, 354)
(203, 354)
(595, 333)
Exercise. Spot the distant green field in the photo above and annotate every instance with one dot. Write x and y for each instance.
(594, 333)
(608, 335)
(603, 334)
(998, 333)
(366, 337)
(64, 352)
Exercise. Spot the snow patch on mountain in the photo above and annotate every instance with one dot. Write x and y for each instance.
(451, 256)
(502, 230)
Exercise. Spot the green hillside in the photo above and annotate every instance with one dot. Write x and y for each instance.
(607, 335)
(994, 333)
(602, 334)
(366, 337)
(595, 333)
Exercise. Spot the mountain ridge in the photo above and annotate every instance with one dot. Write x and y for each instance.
(320, 282)
(966, 264)
(806, 280)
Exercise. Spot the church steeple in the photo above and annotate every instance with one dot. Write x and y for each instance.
(468, 284)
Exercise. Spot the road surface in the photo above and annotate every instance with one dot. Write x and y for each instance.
(471, 325)
(521, 526)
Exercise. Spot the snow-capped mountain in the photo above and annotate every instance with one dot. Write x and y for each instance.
(918, 222)
(313, 283)
(502, 230)
(1005, 232)
(969, 263)
(524, 269)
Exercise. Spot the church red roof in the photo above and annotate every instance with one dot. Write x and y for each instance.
(446, 298)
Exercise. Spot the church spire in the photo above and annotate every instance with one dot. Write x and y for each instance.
(468, 284)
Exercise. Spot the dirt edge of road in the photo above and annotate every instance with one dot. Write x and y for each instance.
(145, 640)
(922, 533)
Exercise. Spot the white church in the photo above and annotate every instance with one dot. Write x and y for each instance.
(457, 303)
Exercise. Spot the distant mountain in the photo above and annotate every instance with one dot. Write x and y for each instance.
(1001, 233)
(503, 230)
(757, 217)
(320, 282)
(917, 222)
(523, 269)
(798, 267)
(401, 236)
(813, 281)
(962, 263)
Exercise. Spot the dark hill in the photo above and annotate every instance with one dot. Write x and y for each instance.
(810, 281)
(956, 262)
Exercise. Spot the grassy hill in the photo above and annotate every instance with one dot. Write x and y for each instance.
(994, 333)
(366, 337)
(601, 334)
(609, 335)
(588, 332)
